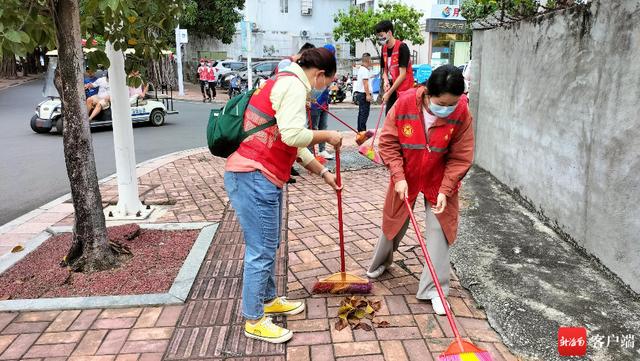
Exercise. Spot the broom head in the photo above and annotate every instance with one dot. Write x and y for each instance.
(343, 282)
(363, 136)
(469, 352)
(370, 152)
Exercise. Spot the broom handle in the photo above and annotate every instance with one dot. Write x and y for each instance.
(373, 141)
(336, 118)
(340, 225)
(433, 274)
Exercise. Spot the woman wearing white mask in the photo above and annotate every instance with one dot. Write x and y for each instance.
(427, 144)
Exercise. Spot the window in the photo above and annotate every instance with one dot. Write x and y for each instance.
(448, 2)
(306, 6)
(284, 6)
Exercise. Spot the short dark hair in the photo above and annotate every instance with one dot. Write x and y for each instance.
(384, 26)
(306, 46)
(445, 79)
(319, 58)
(366, 55)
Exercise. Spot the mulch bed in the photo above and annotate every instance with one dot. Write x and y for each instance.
(157, 258)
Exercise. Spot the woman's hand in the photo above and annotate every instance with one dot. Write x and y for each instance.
(440, 205)
(335, 139)
(402, 189)
(330, 179)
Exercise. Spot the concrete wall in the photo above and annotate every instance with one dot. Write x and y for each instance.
(557, 111)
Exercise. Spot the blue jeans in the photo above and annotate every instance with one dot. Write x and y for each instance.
(319, 122)
(258, 206)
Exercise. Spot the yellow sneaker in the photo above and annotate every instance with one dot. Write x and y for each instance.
(282, 306)
(265, 330)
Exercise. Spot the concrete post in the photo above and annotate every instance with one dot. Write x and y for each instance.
(128, 202)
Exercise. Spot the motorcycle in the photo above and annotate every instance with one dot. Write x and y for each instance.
(236, 86)
(337, 93)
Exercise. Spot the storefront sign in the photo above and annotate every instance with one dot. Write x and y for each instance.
(446, 12)
(446, 26)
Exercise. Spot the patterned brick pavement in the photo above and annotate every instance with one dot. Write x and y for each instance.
(209, 325)
(416, 332)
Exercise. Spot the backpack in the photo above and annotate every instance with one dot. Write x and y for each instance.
(225, 130)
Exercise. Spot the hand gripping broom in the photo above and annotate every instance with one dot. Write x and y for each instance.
(459, 350)
(341, 282)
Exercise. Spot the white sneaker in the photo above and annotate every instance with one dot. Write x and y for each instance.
(438, 307)
(377, 272)
(326, 155)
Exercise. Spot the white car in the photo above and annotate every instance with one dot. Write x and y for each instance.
(48, 114)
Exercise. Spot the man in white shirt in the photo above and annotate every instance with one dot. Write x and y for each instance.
(362, 92)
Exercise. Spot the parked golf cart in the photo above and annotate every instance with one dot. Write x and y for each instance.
(153, 109)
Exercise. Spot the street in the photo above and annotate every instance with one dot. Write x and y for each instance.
(32, 165)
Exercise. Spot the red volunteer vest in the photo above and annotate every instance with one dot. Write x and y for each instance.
(266, 147)
(424, 153)
(394, 68)
(211, 74)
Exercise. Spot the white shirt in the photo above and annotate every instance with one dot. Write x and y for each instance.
(429, 119)
(103, 87)
(363, 73)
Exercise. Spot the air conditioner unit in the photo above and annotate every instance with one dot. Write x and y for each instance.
(304, 34)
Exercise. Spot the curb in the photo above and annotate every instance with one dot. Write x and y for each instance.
(21, 82)
(142, 169)
(177, 294)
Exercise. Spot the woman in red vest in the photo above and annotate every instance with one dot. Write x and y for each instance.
(257, 171)
(427, 144)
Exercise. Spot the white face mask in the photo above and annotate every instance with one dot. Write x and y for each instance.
(441, 111)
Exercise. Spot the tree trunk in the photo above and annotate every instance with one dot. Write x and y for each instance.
(8, 68)
(90, 250)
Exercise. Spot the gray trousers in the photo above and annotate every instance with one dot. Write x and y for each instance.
(437, 247)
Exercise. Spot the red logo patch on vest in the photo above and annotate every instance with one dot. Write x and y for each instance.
(407, 130)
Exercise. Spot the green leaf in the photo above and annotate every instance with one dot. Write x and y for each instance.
(13, 36)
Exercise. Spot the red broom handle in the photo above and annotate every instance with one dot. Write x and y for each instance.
(340, 225)
(336, 117)
(433, 274)
(377, 124)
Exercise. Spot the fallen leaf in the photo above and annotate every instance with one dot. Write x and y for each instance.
(17, 249)
(383, 324)
(365, 326)
(341, 324)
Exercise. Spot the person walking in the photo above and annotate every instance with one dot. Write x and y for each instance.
(362, 92)
(397, 73)
(427, 144)
(319, 105)
(256, 173)
(211, 80)
(202, 76)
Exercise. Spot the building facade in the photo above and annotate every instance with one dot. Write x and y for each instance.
(446, 40)
(279, 28)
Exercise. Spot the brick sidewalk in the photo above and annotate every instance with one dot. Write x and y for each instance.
(8, 83)
(209, 324)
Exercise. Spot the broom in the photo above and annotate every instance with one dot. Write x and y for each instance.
(361, 137)
(458, 350)
(341, 282)
(369, 151)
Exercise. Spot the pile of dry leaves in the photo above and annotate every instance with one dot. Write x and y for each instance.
(354, 311)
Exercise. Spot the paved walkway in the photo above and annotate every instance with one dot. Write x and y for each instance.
(189, 186)
(8, 83)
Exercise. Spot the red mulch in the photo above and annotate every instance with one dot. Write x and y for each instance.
(157, 258)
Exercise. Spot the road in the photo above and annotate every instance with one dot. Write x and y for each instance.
(32, 168)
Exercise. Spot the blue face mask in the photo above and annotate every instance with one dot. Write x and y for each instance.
(441, 111)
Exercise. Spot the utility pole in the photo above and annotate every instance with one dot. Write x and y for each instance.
(129, 205)
(179, 61)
